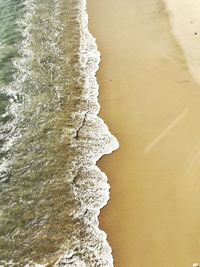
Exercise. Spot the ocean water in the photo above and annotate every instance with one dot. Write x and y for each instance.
(51, 190)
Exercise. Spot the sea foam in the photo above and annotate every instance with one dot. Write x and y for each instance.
(51, 189)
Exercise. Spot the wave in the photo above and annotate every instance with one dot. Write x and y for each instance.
(51, 189)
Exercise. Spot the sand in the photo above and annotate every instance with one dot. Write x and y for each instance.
(151, 102)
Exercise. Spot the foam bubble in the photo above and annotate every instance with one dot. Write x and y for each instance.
(53, 189)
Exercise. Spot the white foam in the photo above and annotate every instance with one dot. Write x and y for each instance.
(87, 245)
(92, 188)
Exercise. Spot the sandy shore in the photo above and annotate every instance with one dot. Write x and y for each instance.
(151, 102)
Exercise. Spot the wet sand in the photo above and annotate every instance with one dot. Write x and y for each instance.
(151, 102)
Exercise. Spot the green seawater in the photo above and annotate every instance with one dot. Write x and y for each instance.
(10, 37)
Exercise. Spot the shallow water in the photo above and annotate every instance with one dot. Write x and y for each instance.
(51, 190)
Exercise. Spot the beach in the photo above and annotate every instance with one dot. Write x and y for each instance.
(150, 99)
(77, 113)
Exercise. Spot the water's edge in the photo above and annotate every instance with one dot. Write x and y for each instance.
(105, 254)
(185, 23)
(51, 137)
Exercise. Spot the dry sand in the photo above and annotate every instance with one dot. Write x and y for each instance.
(151, 102)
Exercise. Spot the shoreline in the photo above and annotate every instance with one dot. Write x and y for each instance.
(150, 102)
(185, 23)
(51, 187)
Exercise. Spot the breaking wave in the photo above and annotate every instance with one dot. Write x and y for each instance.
(51, 137)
